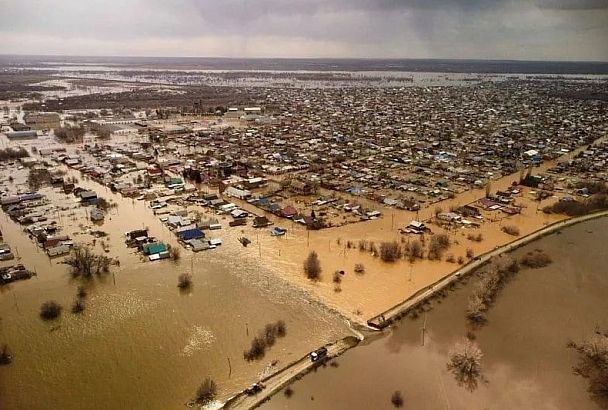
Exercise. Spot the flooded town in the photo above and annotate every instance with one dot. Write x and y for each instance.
(300, 233)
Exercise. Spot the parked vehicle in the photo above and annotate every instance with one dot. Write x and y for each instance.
(276, 231)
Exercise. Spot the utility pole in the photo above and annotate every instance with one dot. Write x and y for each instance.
(423, 328)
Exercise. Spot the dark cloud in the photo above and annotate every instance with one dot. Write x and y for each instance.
(568, 29)
(573, 4)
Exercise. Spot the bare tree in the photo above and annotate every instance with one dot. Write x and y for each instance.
(50, 310)
(265, 339)
(593, 365)
(465, 363)
(397, 399)
(536, 259)
(5, 355)
(184, 281)
(312, 266)
(439, 243)
(206, 392)
(85, 263)
(390, 251)
(78, 306)
(510, 230)
(174, 253)
(415, 250)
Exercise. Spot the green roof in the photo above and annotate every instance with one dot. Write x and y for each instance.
(154, 248)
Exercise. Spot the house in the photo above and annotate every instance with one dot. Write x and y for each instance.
(301, 188)
(469, 210)
(22, 135)
(175, 221)
(289, 212)
(227, 207)
(194, 233)
(238, 213)
(214, 243)
(260, 222)
(138, 233)
(58, 250)
(198, 245)
(158, 256)
(238, 222)
(68, 187)
(88, 197)
(449, 217)
(154, 248)
(96, 215)
(254, 182)
(11, 200)
(237, 193)
(416, 227)
(42, 120)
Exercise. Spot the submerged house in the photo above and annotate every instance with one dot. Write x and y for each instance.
(96, 215)
(88, 197)
(260, 222)
(193, 233)
(289, 212)
(154, 248)
(237, 193)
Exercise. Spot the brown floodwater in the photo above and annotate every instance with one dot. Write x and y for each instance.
(141, 343)
(526, 363)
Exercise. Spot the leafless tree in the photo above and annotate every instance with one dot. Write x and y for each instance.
(397, 399)
(206, 392)
(184, 281)
(465, 363)
(511, 230)
(5, 355)
(85, 263)
(390, 251)
(50, 310)
(593, 365)
(312, 266)
(536, 259)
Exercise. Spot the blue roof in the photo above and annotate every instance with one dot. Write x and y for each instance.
(261, 201)
(191, 234)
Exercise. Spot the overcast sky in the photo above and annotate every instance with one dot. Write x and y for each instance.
(494, 29)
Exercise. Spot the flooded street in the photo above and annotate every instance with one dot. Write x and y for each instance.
(141, 343)
(526, 363)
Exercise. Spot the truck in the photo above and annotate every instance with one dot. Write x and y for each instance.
(318, 354)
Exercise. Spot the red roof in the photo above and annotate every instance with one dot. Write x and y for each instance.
(289, 211)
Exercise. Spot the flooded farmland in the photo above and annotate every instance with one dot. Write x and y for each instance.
(140, 342)
(526, 363)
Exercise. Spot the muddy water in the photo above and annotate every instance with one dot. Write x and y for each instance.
(526, 362)
(141, 343)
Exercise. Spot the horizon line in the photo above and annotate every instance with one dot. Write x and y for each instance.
(310, 58)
